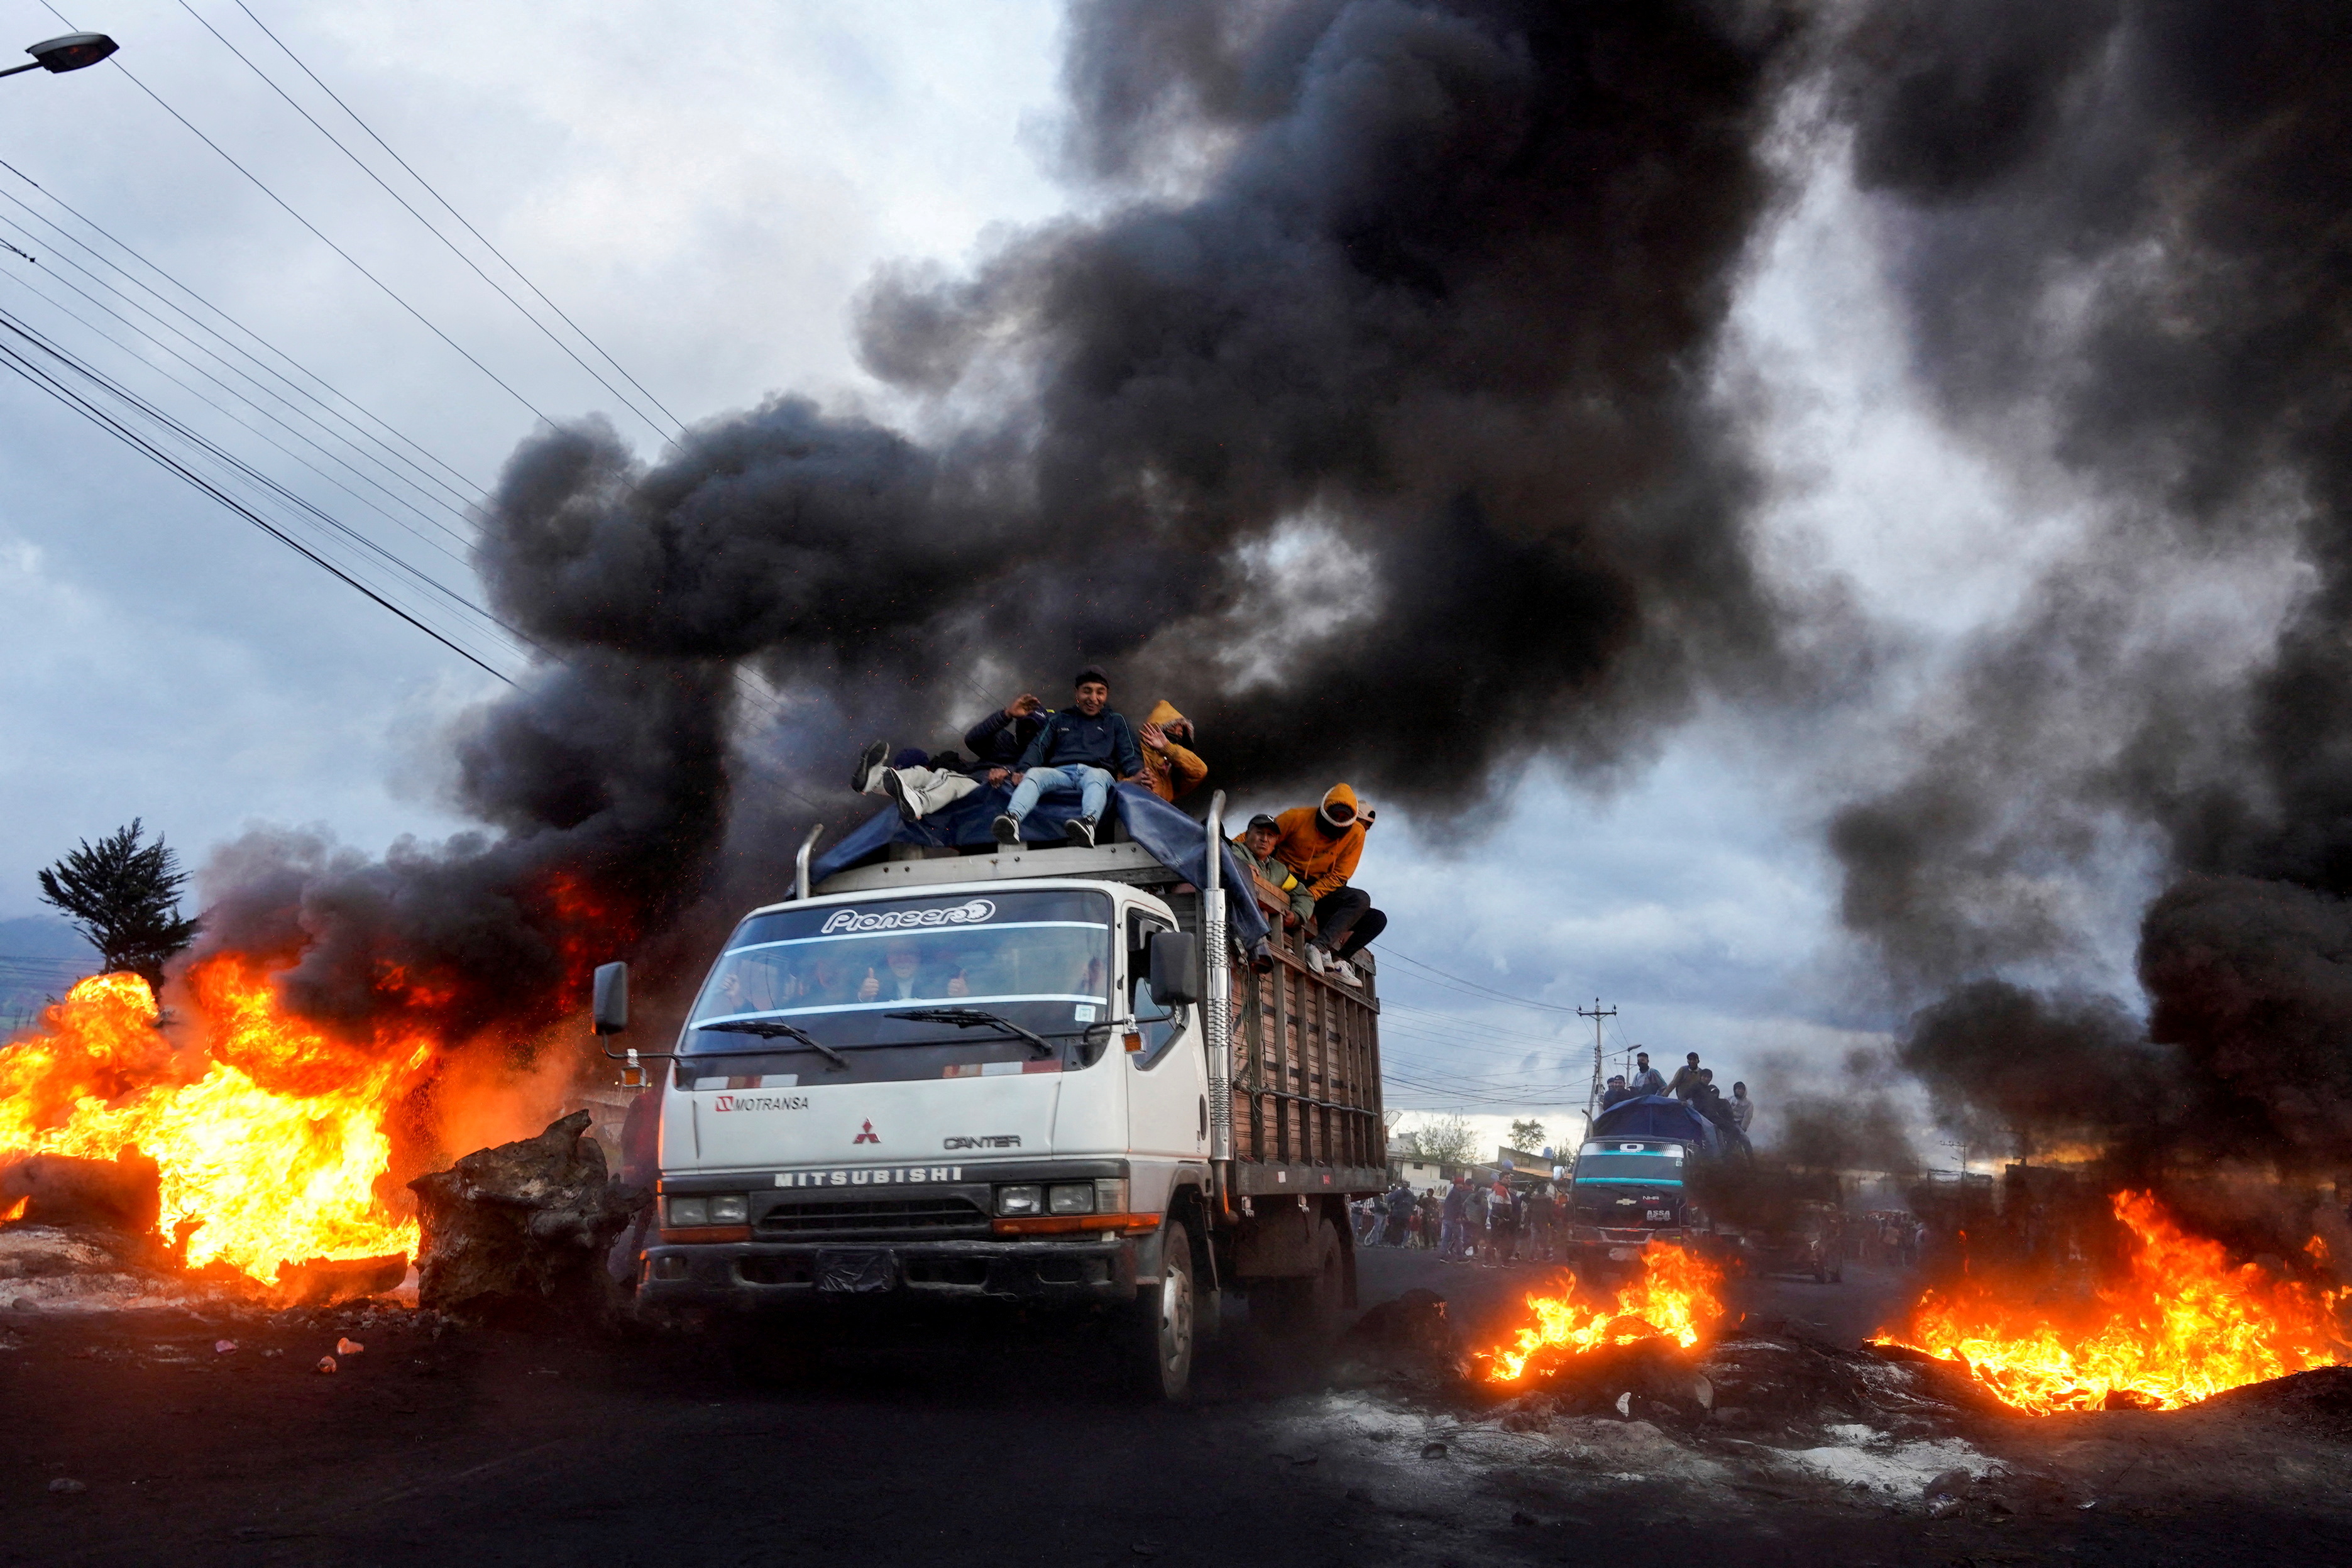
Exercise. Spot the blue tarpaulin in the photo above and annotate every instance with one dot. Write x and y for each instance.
(1657, 1116)
(1165, 833)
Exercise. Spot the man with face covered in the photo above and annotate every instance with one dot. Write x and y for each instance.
(1321, 844)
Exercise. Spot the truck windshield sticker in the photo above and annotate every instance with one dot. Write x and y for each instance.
(1084, 1012)
(970, 913)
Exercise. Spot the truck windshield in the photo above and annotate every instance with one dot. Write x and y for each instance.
(1630, 1161)
(1040, 959)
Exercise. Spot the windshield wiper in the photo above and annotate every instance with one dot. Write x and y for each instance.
(776, 1029)
(978, 1018)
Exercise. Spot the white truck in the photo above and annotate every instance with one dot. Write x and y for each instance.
(1026, 1074)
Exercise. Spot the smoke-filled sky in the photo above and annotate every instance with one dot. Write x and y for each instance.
(1717, 478)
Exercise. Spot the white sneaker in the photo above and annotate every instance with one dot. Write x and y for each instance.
(1347, 972)
(1317, 959)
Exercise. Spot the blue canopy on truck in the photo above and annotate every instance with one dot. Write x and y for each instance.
(1167, 835)
(1657, 1116)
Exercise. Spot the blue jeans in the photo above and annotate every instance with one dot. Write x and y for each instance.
(1450, 1240)
(1090, 785)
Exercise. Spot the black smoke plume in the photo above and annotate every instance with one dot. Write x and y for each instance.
(1370, 421)
(1385, 450)
(2118, 228)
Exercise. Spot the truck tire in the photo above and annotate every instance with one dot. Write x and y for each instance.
(1158, 1339)
(1304, 1312)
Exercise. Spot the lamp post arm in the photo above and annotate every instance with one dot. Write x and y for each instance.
(19, 70)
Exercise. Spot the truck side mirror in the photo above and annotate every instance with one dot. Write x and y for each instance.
(611, 1008)
(1175, 969)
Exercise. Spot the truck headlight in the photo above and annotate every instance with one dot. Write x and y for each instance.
(734, 1208)
(1078, 1199)
(1019, 1199)
(687, 1211)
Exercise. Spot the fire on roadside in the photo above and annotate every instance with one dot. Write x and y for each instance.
(1673, 1298)
(2179, 1324)
(270, 1137)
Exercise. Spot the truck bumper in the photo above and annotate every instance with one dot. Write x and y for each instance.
(750, 1275)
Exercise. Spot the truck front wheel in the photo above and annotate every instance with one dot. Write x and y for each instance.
(1158, 1337)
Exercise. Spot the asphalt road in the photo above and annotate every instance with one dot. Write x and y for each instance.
(492, 1447)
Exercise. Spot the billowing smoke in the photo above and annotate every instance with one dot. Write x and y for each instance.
(1369, 420)
(1384, 448)
(2117, 225)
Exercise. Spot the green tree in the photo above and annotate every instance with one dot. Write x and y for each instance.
(1444, 1140)
(1527, 1136)
(124, 896)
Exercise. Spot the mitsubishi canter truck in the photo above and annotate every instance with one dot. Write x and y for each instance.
(1043, 1075)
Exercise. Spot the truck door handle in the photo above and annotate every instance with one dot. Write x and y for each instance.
(1204, 1118)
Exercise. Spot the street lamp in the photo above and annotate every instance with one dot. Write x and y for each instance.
(69, 53)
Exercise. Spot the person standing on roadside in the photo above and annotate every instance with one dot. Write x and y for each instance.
(1454, 1219)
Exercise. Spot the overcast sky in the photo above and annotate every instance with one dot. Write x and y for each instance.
(705, 189)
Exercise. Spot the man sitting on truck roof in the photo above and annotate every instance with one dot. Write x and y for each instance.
(1256, 848)
(1073, 754)
(1322, 844)
(1616, 1092)
(1171, 770)
(916, 782)
(997, 741)
(1687, 1080)
(1646, 1078)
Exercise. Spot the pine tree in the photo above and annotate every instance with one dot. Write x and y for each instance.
(124, 898)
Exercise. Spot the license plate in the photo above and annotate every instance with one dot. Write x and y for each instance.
(1623, 1254)
(856, 1273)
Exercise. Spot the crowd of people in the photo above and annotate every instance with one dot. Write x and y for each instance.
(1493, 1223)
(1303, 858)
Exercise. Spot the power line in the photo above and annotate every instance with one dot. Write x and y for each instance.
(259, 185)
(474, 486)
(31, 371)
(1439, 976)
(420, 217)
(621, 368)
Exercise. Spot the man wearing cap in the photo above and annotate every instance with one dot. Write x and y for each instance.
(1256, 847)
(1321, 844)
(1074, 754)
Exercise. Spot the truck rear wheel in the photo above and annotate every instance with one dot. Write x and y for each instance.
(1157, 1341)
(1304, 1310)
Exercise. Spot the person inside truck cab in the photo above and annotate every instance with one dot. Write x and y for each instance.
(901, 978)
(1172, 770)
(1322, 844)
(1073, 753)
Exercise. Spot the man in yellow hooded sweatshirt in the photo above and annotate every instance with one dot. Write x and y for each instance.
(1322, 844)
(1171, 771)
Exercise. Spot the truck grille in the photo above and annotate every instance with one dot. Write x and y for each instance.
(893, 1216)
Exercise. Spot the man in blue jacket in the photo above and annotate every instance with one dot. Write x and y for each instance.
(1074, 754)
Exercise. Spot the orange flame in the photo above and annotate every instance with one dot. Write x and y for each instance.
(1673, 1298)
(271, 1138)
(2179, 1326)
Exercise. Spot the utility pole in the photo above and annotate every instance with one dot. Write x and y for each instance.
(1593, 1100)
